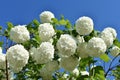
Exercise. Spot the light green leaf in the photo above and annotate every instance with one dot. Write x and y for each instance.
(1, 43)
(117, 43)
(62, 22)
(10, 25)
(104, 57)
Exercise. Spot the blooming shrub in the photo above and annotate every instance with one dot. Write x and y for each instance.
(40, 50)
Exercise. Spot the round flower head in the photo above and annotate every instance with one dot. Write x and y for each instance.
(83, 73)
(84, 25)
(19, 34)
(107, 37)
(32, 52)
(44, 53)
(80, 39)
(46, 16)
(46, 75)
(111, 30)
(0, 50)
(82, 50)
(46, 31)
(75, 72)
(66, 45)
(65, 77)
(115, 51)
(96, 46)
(2, 61)
(17, 57)
(69, 63)
(51, 66)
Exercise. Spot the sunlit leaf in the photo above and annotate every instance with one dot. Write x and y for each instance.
(104, 57)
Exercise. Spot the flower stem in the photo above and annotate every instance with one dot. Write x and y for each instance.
(7, 75)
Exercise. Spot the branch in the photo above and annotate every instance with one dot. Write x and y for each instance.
(111, 68)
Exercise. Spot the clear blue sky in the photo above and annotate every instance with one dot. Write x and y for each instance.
(103, 12)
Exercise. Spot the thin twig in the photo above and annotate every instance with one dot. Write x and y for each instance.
(109, 69)
(7, 75)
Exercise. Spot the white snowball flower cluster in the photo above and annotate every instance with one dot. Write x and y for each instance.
(0, 50)
(107, 37)
(75, 72)
(115, 51)
(111, 30)
(46, 31)
(69, 63)
(44, 53)
(84, 25)
(66, 45)
(19, 34)
(82, 50)
(17, 57)
(52, 66)
(65, 77)
(46, 16)
(80, 39)
(48, 69)
(83, 73)
(96, 46)
(46, 75)
(2, 61)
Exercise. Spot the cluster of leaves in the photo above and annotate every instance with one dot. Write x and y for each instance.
(31, 70)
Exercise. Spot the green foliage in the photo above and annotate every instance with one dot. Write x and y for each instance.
(116, 73)
(105, 57)
(98, 73)
(1, 43)
(30, 71)
(9, 25)
(117, 42)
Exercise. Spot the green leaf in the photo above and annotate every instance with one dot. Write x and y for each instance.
(98, 72)
(0, 27)
(10, 25)
(55, 21)
(36, 22)
(62, 22)
(104, 57)
(1, 43)
(117, 43)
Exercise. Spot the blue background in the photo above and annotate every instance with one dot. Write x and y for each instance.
(105, 13)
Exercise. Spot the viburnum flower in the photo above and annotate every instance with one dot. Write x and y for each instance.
(96, 46)
(80, 39)
(66, 45)
(107, 37)
(19, 34)
(75, 72)
(46, 31)
(32, 52)
(83, 73)
(115, 51)
(44, 53)
(65, 76)
(2, 61)
(17, 57)
(69, 63)
(82, 50)
(46, 17)
(84, 25)
(46, 75)
(48, 69)
(111, 30)
(51, 66)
